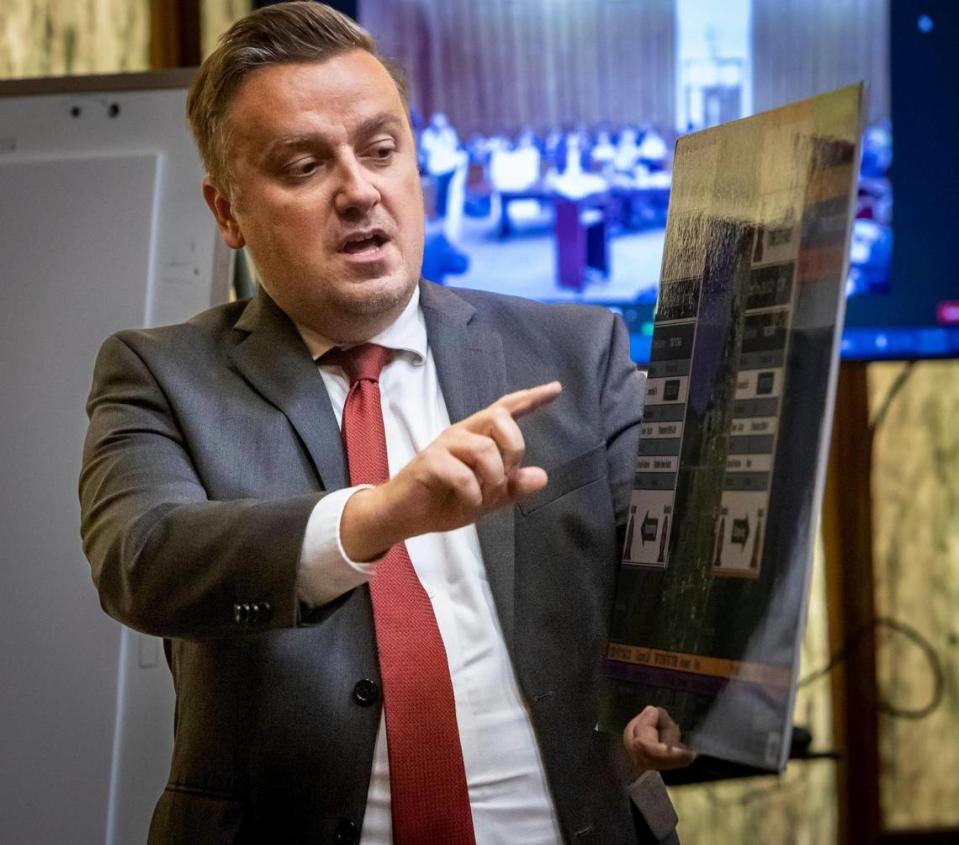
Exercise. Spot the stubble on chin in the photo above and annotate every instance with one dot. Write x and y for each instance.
(378, 302)
(357, 315)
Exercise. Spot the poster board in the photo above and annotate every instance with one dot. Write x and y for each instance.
(712, 592)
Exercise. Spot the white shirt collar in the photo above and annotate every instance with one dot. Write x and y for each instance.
(407, 333)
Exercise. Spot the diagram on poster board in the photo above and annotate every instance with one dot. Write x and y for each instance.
(712, 590)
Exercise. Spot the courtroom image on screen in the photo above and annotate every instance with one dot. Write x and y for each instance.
(547, 130)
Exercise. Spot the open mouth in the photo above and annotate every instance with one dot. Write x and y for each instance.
(360, 243)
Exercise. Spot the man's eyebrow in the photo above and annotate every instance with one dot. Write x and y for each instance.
(377, 123)
(370, 126)
(287, 142)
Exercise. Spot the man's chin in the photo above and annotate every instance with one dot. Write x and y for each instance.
(351, 311)
(362, 309)
(378, 296)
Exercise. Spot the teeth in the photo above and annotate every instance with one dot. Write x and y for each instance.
(359, 244)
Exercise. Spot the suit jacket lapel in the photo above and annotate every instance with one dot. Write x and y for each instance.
(472, 372)
(276, 362)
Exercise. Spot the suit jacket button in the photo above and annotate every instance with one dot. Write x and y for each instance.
(241, 613)
(266, 611)
(366, 692)
(345, 832)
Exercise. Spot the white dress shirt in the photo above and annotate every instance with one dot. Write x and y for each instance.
(509, 796)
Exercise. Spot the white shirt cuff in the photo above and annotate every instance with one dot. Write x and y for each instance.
(325, 571)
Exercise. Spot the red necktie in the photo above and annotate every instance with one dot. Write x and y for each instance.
(428, 793)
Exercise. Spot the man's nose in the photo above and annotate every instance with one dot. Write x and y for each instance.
(355, 191)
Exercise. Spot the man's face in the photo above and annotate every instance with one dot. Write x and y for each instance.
(326, 194)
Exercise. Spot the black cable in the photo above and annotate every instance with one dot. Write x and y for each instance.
(891, 394)
(884, 706)
(930, 654)
(785, 782)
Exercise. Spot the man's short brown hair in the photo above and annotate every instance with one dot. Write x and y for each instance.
(281, 34)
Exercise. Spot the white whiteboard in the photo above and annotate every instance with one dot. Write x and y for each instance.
(102, 226)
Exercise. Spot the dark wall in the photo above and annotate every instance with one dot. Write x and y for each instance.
(347, 7)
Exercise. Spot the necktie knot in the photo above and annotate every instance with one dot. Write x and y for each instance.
(360, 363)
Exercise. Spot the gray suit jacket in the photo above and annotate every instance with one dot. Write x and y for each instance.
(209, 444)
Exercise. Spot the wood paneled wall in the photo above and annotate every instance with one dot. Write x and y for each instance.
(915, 486)
(54, 38)
(497, 65)
(216, 16)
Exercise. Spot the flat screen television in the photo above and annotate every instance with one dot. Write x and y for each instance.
(546, 130)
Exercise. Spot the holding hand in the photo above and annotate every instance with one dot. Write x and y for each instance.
(652, 740)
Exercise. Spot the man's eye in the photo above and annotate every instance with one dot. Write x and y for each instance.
(302, 167)
(384, 153)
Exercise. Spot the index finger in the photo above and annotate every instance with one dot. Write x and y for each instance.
(524, 401)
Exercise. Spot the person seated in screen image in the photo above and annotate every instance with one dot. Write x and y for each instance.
(440, 146)
(379, 537)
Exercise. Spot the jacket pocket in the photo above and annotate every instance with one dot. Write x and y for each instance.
(199, 816)
(567, 477)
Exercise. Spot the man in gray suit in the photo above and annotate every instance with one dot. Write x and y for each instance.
(218, 511)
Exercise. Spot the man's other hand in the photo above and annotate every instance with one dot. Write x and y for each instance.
(472, 468)
(652, 740)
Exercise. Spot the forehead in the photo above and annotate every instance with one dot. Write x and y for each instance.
(303, 96)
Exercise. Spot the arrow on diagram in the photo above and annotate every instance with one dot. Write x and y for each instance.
(740, 531)
(649, 529)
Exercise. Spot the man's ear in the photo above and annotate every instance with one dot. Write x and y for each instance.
(222, 208)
